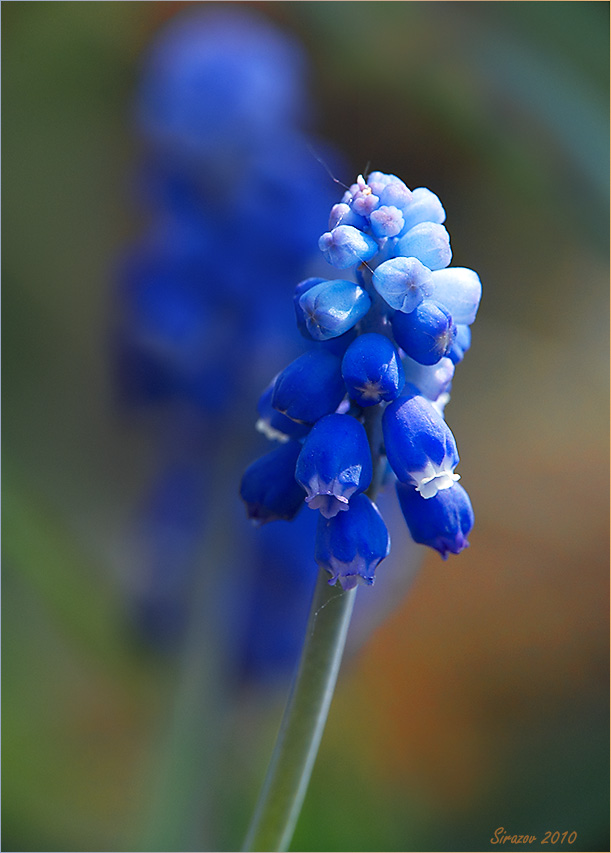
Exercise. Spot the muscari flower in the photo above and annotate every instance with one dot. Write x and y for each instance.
(441, 522)
(419, 444)
(415, 331)
(310, 387)
(269, 488)
(372, 370)
(352, 544)
(334, 464)
(425, 334)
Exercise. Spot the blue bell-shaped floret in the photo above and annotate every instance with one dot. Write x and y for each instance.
(310, 387)
(334, 464)
(330, 308)
(403, 283)
(424, 207)
(419, 444)
(460, 290)
(442, 522)
(352, 544)
(269, 488)
(372, 370)
(429, 242)
(346, 246)
(426, 334)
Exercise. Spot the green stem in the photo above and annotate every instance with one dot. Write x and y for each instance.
(304, 719)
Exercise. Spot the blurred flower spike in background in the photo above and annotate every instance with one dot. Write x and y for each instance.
(233, 199)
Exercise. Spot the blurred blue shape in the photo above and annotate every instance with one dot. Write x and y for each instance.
(219, 83)
(275, 609)
(234, 200)
(168, 533)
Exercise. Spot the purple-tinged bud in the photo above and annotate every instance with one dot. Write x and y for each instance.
(429, 242)
(363, 201)
(442, 522)
(386, 221)
(310, 387)
(427, 334)
(269, 488)
(419, 444)
(460, 290)
(352, 544)
(334, 464)
(390, 189)
(330, 308)
(403, 283)
(342, 214)
(346, 246)
(372, 370)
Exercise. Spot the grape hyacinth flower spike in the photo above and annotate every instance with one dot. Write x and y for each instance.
(375, 404)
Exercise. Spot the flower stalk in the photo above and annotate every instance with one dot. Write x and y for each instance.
(304, 719)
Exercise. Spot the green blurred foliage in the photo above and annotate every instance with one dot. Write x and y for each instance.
(483, 702)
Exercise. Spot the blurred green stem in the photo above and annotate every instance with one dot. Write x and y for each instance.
(304, 719)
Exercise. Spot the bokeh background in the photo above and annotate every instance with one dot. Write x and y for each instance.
(482, 700)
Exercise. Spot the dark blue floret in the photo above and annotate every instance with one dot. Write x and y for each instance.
(419, 444)
(442, 522)
(351, 545)
(269, 488)
(426, 334)
(310, 387)
(372, 370)
(334, 464)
